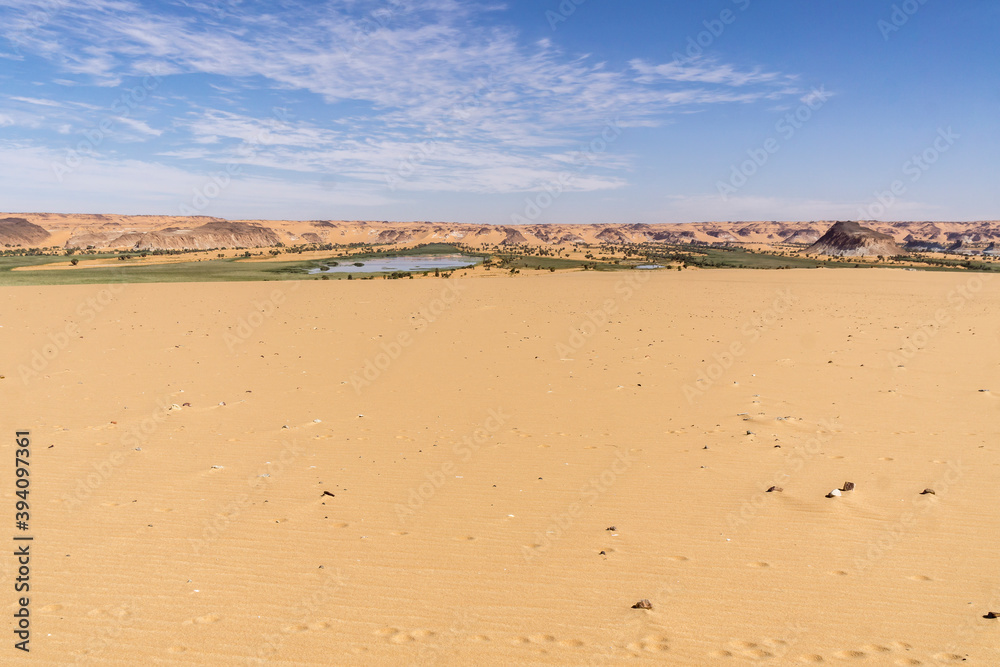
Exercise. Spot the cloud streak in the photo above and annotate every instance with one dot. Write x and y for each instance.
(369, 88)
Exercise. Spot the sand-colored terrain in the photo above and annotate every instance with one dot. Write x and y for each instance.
(145, 232)
(479, 438)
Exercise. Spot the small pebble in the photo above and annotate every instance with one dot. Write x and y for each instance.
(928, 492)
(774, 489)
(643, 604)
(833, 494)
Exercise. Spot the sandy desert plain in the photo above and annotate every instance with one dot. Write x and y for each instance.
(494, 471)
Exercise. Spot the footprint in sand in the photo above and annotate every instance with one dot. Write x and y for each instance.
(919, 577)
(464, 538)
(163, 510)
(397, 636)
(760, 564)
(851, 655)
(678, 559)
(886, 458)
(651, 644)
(51, 607)
(876, 648)
(177, 649)
(908, 661)
(810, 659)
(948, 657)
(838, 573)
(203, 620)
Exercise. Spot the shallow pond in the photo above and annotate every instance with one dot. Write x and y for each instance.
(406, 263)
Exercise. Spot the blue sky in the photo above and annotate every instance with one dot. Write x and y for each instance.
(555, 111)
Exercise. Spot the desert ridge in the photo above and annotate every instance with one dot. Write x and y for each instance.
(120, 232)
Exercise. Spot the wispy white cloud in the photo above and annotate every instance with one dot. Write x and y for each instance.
(410, 86)
(37, 102)
(702, 70)
(127, 186)
(140, 126)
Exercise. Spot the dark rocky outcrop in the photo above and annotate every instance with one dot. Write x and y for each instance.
(849, 239)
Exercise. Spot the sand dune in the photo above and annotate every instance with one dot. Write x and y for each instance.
(479, 440)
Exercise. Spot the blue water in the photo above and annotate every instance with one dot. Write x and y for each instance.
(407, 263)
(649, 267)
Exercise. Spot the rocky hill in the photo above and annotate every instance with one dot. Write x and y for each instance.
(120, 232)
(213, 234)
(849, 239)
(20, 232)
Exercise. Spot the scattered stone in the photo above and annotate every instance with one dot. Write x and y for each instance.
(611, 528)
(327, 493)
(750, 433)
(848, 486)
(833, 494)
(602, 554)
(991, 614)
(775, 489)
(186, 405)
(643, 604)
(928, 492)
